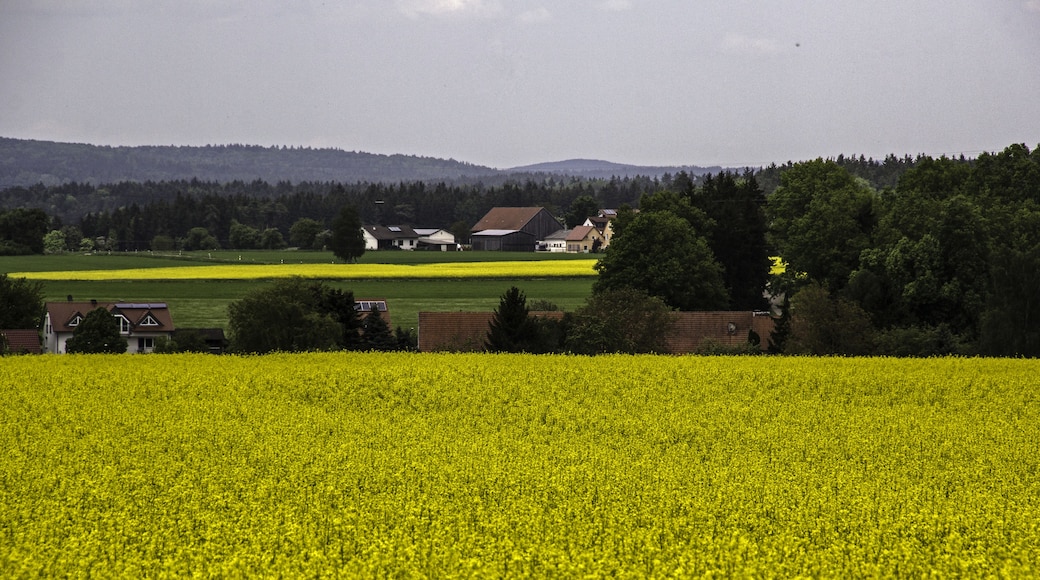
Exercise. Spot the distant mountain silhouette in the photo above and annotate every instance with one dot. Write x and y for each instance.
(25, 162)
(596, 168)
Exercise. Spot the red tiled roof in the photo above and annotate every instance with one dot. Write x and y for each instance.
(22, 341)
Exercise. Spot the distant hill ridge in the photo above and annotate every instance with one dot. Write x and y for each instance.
(606, 169)
(25, 162)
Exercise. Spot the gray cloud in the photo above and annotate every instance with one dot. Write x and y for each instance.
(497, 83)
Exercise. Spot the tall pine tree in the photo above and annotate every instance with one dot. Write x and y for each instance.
(512, 329)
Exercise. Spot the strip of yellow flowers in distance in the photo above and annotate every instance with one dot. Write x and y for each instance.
(523, 269)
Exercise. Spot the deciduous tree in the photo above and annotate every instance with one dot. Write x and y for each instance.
(21, 303)
(624, 320)
(660, 254)
(98, 332)
(347, 241)
(293, 315)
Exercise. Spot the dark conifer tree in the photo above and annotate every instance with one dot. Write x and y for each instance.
(376, 333)
(511, 329)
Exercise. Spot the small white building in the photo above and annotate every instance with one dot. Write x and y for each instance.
(436, 239)
(554, 242)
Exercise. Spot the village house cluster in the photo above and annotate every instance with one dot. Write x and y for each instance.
(509, 229)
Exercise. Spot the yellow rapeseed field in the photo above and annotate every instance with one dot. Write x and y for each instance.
(448, 465)
(515, 269)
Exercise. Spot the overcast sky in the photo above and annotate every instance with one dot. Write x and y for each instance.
(506, 83)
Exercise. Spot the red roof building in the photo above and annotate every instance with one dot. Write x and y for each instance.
(20, 341)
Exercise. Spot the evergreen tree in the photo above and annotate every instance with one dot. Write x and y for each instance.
(511, 329)
(347, 241)
(98, 332)
(376, 333)
(406, 339)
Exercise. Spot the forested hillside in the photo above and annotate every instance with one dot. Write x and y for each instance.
(25, 162)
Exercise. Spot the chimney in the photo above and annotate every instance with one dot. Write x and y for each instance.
(93, 302)
(69, 298)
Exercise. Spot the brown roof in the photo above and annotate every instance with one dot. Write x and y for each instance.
(600, 222)
(467, 331)
(22, 341)
(507, 218)
(693, 329)
(579, 233)
(459, 331)
(136, 312)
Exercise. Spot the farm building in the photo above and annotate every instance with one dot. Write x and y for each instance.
(513, 229)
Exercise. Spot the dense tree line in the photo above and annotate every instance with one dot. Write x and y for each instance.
(135, 216)
(947, 261)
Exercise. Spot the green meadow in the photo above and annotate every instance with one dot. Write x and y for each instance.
(203, 303)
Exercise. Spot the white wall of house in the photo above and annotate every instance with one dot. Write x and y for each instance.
(136, 342)
(559, 246)
(371, 243)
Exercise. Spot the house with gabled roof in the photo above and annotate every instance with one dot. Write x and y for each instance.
(436, 239)
(141, 323)
(584, 239)
(513, 229)
(603, 222)
(390, 237)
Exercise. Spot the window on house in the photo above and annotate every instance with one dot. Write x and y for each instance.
(149, 321)
(124, 324)
(76, 320)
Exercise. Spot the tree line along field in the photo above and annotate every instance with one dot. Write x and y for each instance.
(438, 465)
(202, 303)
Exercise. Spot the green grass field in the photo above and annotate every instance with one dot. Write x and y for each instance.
(203, 303)
(127, 260)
